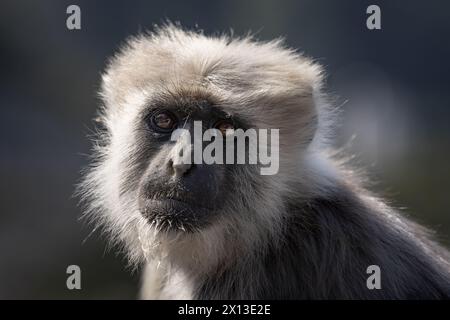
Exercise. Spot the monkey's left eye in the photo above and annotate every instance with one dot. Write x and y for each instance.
(163, 121)
(225, 126)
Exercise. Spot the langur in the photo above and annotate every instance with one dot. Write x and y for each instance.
(226, 231)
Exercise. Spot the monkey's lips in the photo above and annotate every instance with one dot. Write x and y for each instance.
(170, 214)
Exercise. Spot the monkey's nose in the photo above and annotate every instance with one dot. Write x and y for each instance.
(178, 168)
(180, 156)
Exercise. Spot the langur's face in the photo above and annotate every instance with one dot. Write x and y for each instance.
(159, 85)
(175, 192)
(179, 192)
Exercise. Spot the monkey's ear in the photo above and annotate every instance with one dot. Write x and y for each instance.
(302, 115)
(308, 121)
(313, 105)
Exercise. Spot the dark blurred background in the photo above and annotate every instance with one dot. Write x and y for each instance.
(393, 83)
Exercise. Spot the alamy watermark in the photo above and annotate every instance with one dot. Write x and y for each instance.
(373, 21)
(73, 21)
(74, 279)
(236, 146)
(374, 280)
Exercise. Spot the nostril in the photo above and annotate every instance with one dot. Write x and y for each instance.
(177, 168)
(170, 167)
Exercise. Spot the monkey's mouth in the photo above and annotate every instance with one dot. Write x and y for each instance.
(176, 215)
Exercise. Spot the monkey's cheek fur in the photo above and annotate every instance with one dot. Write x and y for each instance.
(173, 215)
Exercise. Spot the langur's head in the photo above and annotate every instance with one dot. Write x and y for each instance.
(140, 186)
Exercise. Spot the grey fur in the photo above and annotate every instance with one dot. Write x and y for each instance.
(309, 232)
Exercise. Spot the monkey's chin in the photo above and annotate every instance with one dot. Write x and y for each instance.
(176, 216)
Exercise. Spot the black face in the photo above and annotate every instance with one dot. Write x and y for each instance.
(180, 197)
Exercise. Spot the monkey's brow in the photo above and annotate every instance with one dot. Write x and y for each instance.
(188, 108)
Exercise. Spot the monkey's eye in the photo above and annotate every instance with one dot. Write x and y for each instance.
(224, 126)
(163, 121)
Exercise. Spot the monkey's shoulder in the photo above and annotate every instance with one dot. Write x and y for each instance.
(330, 244)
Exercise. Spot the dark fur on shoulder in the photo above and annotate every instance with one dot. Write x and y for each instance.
(327, 245)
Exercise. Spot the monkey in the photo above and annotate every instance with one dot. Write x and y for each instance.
(225, 231)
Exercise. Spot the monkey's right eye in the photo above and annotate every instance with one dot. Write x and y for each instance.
(163, 121)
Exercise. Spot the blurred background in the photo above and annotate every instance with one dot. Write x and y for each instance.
(393, 84)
